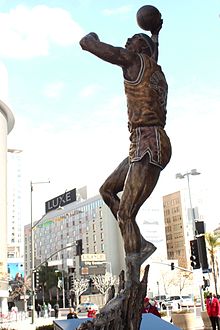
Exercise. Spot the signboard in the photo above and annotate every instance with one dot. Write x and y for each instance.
(15, 270)
(93, 257)
(62, 200)
(52, 263)
(84, 271)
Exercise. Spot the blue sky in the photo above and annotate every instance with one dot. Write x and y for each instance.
(70, 107)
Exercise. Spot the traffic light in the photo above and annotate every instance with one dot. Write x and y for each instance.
(71, 282)
(206, 283)
(79, 247)
(200, 231)
(36, 279)
(195, 263)
(172, 266)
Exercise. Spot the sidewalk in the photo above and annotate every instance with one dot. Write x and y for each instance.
(26, 324)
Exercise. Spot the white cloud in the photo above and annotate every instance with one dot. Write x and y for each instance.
(27, 33)
(89, 90)
(117, 11)
(54, 89)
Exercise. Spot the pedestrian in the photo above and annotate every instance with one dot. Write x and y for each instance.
(45, 310)
(56, 309)
(213, 310)
(38, 310)
(150, 308)
(150, 149)
(91, 313)
(72, 314)
(49, 308)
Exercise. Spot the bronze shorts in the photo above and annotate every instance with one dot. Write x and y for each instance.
(153, 141)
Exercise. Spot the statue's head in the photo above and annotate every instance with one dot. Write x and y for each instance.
(140, 43)
(148, 43)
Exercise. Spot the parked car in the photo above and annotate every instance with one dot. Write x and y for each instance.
(159, 299)
(84, 307)
(186, 301)
(167, 303)
(182, 301)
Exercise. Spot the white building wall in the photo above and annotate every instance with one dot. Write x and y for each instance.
(6, 125)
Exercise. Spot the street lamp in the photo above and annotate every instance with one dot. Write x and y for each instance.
(63, 289)
(32, 251)
(182, 176)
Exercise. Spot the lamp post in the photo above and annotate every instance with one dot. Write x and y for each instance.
(63, 289)
(182, 176)
(32, 252)
(47, 259)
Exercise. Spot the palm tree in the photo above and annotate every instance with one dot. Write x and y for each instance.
(213, 241)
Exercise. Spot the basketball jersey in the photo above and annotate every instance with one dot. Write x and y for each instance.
(147, 95)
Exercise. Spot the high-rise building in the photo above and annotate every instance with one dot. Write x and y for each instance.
(179, 227)
(176, 236)
(15, 227)
(82, 231)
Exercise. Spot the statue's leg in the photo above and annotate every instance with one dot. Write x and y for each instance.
(140, 182)
(113, 185)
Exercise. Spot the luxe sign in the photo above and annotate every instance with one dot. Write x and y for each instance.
(64, 199)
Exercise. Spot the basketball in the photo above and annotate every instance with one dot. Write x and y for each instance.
(148, 18)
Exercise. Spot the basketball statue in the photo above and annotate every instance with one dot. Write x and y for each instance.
(136, 176)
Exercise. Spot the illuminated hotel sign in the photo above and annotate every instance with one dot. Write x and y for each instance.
(62, 200)
(93, 257)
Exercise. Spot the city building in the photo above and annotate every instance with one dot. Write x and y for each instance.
(6, 125)
(179, 227)
(78, 234)
(14, 202)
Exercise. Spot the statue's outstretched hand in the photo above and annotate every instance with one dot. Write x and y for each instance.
(94, 35)
(89, 39)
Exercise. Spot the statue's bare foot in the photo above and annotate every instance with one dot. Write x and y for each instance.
(147, 249)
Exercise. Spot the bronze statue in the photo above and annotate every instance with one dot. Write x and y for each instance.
(150, 149)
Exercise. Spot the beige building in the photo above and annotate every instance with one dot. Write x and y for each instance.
(65, 227)
(177, 238)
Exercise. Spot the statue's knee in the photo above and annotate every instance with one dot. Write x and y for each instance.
(122, 216)
(101, 190)
(104, 193)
